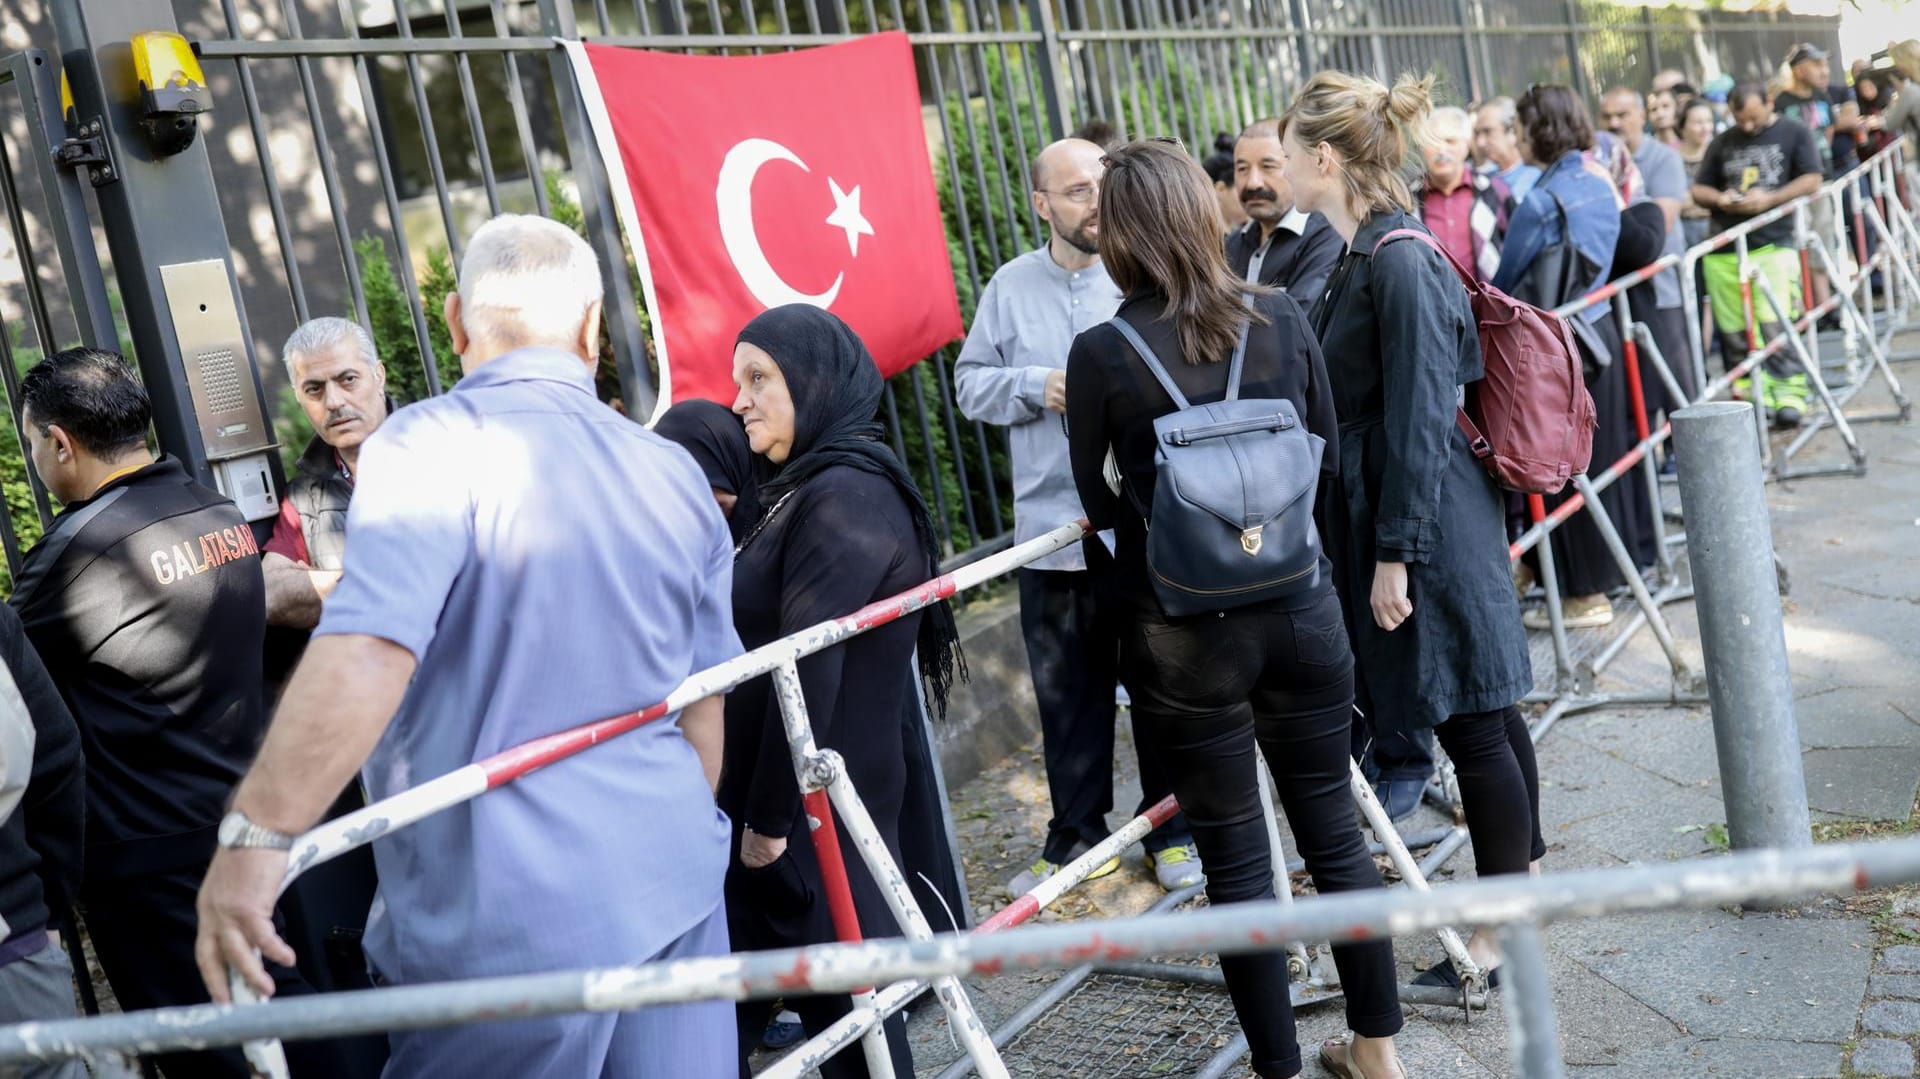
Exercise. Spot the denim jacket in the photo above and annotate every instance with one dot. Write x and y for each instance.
(1592, 212)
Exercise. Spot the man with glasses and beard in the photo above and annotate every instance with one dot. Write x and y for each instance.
(1279, 245)
(1012, 371)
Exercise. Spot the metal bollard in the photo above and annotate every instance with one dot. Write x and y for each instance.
(1731, 550)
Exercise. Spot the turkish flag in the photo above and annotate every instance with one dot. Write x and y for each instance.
(797, 177)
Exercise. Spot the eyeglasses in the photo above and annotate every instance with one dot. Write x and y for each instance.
(1080, 194)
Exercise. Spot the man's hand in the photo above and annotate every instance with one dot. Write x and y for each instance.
(757, 850)
(1389, 600)
(236, 920)
(1056, 398)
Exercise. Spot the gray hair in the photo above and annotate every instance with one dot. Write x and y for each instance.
(527, 280)
(1449, 121)
(321, 335)
(1508, 113)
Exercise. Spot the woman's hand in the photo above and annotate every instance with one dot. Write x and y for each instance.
(757, 850)
(1390, 603)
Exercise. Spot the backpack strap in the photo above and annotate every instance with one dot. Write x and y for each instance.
(1422, 235)
(1482, 449)
(1153, 362)
(1239, 351)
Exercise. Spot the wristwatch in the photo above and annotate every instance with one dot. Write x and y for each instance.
(239, 833)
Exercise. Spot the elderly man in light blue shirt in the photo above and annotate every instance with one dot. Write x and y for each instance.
(1012, 371)
(521, 559)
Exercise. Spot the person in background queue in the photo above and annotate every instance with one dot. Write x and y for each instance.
(1561, 247)
(483, 573)
(338, 378)
(1217, 692)
(166, 691)
(1419, 536)
(1664, 178)
(42, 826)
(1827, 109)
(1012, 371)
(342, 387)
(1762, 161)
(1496, 144)
(1219, 166)
(1281, 245)
(1466, 211)
(844, 527)
(1696, 131)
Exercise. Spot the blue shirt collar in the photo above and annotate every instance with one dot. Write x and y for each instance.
(531, 364)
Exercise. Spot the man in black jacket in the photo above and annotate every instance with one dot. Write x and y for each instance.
(342, 386)
(40, 844)
(1279, 245)
(145, 601)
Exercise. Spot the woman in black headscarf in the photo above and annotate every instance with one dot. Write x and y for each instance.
(843, 526)
(719, 446)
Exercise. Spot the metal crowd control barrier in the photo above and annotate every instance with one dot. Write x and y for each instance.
(1517, 904)
(823, 783)
(856, 967)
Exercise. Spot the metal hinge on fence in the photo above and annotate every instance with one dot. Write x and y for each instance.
(88, 148)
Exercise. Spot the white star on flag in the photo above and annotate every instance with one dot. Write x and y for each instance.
(846, 215)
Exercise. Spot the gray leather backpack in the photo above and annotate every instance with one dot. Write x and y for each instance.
(1234, 482)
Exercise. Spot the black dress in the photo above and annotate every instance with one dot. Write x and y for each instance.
(841, 540)
(1399, 339)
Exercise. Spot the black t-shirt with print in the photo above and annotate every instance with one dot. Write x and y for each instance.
(1838, 153)
(1767, 161)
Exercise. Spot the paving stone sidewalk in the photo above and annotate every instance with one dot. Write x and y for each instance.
(1829, 989)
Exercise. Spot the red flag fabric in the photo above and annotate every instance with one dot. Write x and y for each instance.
(797, 177)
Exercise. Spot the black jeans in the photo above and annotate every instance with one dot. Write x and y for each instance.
(1206, 690)
(1073, 654)
(142, 930)
(1492, 755)
(1386, 756)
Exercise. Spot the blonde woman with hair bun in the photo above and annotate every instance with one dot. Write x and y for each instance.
(1418, 531)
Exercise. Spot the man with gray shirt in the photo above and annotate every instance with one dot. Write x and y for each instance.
(1656, 303)
(1012, 371)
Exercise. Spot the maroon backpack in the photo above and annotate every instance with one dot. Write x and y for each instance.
(1529, 419)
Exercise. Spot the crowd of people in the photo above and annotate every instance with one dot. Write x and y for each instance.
(398, 620)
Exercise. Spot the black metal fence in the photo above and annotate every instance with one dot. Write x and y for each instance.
(357, 142)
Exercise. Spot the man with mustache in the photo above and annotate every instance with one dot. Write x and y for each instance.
(1467, 213)
(342, 386)
(1013, 371)
(1279, 245)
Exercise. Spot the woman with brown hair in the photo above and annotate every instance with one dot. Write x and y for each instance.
(1424, 556)
(1277, 673)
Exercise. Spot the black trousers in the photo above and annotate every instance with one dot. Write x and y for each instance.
(142, 929)
(1206, 691)
(1668, 325)
(1386, 756)
(784, 905)
(1073, 653)
(1493, 758)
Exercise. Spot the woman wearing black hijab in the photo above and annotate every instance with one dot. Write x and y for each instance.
(843, 526)
(719, 446)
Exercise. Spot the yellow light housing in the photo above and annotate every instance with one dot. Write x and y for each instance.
(163, 62)
(66, 98)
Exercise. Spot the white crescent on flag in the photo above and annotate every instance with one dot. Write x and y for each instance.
(733, 203)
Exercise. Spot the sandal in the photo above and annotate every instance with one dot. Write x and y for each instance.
(1443, 975)
(1336, 1055)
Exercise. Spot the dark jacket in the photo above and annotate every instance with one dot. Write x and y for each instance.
(147, 604)
(321, 491)
(1298, 263)
(40, 843)
(1113, 399)
(1399, 341)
